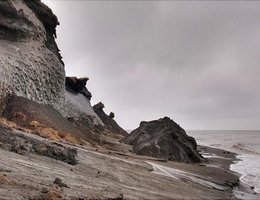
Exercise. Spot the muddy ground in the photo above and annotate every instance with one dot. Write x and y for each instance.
(105, 174)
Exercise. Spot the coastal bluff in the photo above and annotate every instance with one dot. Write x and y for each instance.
(31, 65)
(55, 145)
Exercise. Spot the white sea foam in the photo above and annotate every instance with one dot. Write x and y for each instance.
(245, 143)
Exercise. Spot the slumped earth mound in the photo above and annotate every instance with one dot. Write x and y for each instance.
(165, 139)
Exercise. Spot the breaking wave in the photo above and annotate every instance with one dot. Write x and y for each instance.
(241, 147)
(246, 144)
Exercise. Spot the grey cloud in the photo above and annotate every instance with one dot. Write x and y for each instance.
(196, 62)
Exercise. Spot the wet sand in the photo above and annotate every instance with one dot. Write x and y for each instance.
(223, 159)
(218, 157)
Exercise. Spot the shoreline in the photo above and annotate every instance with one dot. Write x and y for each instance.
(122, 177)
(104, 174)
(214, 175)
(222, 158)
(217, 157)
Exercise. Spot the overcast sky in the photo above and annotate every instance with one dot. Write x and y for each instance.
(197, 62)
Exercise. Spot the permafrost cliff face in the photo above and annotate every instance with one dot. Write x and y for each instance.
(30, 62)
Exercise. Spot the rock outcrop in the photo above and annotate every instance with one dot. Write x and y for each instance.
(30, 63)
(49, 21)
(19, 142)
(78, 85)
(165, 139)
(110, 123)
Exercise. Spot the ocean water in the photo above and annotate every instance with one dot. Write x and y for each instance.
(245, 143)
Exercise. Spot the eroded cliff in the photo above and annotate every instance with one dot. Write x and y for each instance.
(30, 63)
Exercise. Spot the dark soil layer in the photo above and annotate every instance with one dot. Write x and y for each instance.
(25, 113)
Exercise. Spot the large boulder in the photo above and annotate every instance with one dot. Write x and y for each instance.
(165, 139)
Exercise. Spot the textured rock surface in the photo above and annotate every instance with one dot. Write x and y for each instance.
(163, 138)
(30, 62)
(109, 122)
(20, 143)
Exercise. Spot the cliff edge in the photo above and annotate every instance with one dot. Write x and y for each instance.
(31, 65)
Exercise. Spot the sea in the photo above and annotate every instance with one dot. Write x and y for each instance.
(247, 145)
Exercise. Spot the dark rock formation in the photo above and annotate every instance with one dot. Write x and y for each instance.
(165, 139)
(109, 122)
(99, 106)
(20, 143)
(112, 115)
(50, 21)
(78, 85)
(60, 183)
(55, 151)
(8, 15)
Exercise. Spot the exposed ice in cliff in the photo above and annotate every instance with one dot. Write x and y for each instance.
(77, 105)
